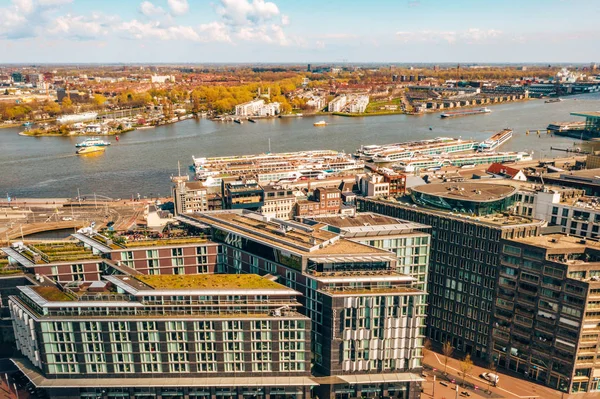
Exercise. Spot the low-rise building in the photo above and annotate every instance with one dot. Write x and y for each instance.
(337, 104)
(242, 194)
(501, 170)
(189, 197)
(325, 201)
(280, 202)
(373, 185)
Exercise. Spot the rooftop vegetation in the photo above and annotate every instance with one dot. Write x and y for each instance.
(209, 281)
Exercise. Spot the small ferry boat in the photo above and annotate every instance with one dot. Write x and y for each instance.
(93, 142)
(28, 124)
(238, 121)
(465, 112)
(90, 150)
(553, 100)
(320, 123)
(251, 120)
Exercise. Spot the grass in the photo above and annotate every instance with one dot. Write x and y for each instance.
(208, 281)
(64, 252)
(166, 241)
(52, 294)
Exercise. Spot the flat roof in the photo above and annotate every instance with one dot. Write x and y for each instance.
(288, 235)
(52, 293)
(63, 252)
(207, 281)
(559, 241)
(477, 192)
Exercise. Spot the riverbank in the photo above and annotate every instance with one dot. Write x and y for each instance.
(31, 133)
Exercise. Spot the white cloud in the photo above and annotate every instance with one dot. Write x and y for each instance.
(149, 9)
(285, 20)
(215, 32)
(51, 3)
(178, 7)
(154, 30)
(320, 44)
(242, 12)
(24, 6)
(81, 27)
(472, 35)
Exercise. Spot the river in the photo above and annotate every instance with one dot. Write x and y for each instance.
(143, 160)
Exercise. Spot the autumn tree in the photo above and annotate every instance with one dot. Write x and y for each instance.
(447, 350)
(466, 365)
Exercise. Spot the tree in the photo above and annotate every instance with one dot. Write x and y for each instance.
(466, 365)
(66, 103)
(426, 346)
(447, 350)
(99, 99)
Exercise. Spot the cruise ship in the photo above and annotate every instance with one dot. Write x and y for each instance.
(268, 168)
(495, 141)
(465, 112)
(85, 116)
(398, 151)
(436, 162)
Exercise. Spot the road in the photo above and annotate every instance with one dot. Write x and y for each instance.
(508, 387)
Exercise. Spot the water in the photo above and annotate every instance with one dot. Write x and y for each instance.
(142, 161)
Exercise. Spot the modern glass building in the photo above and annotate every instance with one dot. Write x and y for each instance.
(477, 199)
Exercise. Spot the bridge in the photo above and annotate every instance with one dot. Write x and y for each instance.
(16, 232)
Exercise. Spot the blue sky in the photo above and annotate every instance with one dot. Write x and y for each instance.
(302, 31)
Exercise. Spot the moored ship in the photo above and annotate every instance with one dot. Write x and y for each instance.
(395, 152)
(495, 141)
(465, 112)
(468, 160)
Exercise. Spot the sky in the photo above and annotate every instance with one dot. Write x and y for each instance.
(299, 31)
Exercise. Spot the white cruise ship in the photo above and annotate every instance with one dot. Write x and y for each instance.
(275, 167)
(495, 141)
(398, 151)
(436, 162)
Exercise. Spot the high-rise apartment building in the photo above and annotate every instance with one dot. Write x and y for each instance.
(547, 311)
(468, 221)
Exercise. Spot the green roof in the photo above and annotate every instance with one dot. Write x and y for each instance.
(52, 293)
(208, 281)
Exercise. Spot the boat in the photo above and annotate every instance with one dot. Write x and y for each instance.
(251, 120)
(145, 127)
(90, 150)
(465, 112)
(238, 121)
(398, 151)
(93, 142)
(468, 166)
(553, 100)
(117, 138)
(466, 160)
(320, 123)
(495, 141)
(28, 124)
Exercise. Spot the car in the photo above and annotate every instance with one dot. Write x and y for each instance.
(491, 377)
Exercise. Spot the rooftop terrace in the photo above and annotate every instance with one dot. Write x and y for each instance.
(288, 235)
